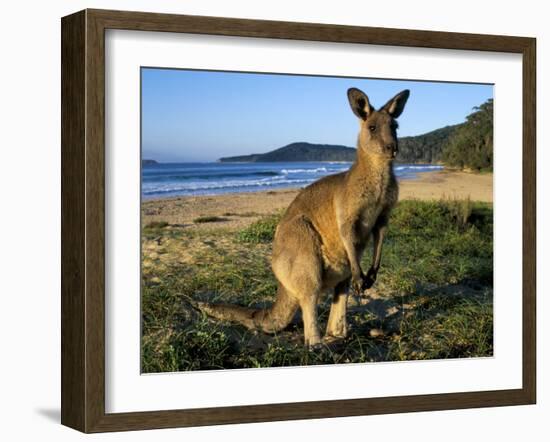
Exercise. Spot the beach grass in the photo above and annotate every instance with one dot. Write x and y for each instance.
(208, 219)
(432, 299)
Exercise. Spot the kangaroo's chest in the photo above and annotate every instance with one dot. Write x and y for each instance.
(377, 200)
(366, 220)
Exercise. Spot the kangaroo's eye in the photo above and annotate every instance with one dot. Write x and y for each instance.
(372, 128)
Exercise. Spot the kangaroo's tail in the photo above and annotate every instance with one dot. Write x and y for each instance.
(269, 320)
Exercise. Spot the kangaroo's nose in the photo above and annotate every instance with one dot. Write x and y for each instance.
(392, 147)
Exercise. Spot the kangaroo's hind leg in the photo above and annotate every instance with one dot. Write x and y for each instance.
(337, 325)
(298, 267)
(312, 336)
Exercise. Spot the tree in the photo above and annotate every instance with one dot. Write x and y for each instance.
(471, 145)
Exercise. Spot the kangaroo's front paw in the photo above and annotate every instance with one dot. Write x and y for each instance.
(357, 283)
(369, 279)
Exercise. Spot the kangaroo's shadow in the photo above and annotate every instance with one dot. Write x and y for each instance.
(386, 308)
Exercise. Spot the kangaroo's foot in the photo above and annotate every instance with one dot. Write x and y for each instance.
(334, 344)
(337, 326)
(312, 336)
(313, 342)
(340, 332)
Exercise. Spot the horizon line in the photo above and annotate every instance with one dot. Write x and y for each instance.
(286, 145)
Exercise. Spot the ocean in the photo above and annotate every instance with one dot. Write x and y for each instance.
(185, 179)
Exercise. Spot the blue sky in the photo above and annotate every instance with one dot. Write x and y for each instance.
(202, 116)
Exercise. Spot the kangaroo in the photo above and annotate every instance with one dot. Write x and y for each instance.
(319, 242)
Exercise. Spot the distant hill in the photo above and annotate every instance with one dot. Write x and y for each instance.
(298, 152)
(148, 162)
(425, 148)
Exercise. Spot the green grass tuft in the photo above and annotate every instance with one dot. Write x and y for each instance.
(156, 225)
(261, 231)
(209, 219)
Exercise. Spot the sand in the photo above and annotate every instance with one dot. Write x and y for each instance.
(448, 184)
(238, 210)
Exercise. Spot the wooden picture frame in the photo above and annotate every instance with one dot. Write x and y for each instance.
(83, 220)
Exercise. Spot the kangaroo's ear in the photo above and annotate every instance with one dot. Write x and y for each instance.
(395, 106)
(359, 103)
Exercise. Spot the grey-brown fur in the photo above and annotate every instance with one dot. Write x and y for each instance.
(319, 242)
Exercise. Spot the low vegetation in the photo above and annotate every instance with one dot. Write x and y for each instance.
(156, 225)
(208, 219)
(471, 145)
(261, 231)
(433, 297)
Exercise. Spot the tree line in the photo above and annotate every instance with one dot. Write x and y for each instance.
(466, 146)
(471, 144)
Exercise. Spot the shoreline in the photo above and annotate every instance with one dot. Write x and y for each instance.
(296, 177)
(236, 210)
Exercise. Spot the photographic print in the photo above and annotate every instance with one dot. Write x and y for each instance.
(294, 220)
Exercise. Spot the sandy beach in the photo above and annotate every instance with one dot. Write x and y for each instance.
(238, 210)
